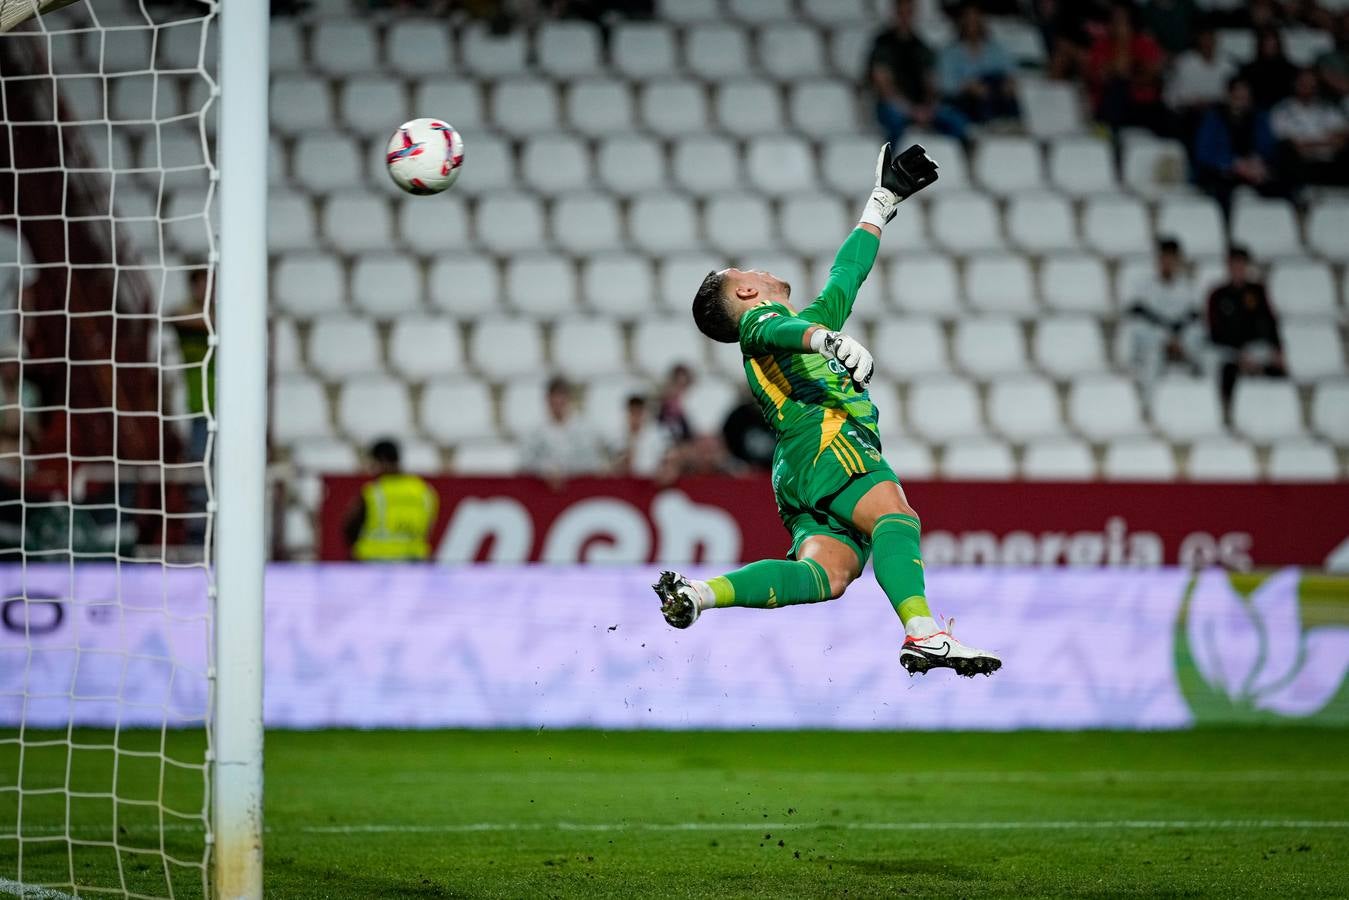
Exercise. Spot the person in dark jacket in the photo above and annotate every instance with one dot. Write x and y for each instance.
(1270, 74)
(1243, 328)
(1235, 146)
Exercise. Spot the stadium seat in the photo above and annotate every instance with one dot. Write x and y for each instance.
(844, 162)
(1313, 349)
(510, 222)
(1305, 46)
(461, 96)
(791, 268)
(706, 165)
(492, 168)
(588, 347)
(716, 51)
(727, 360)
(631, 164)
(663, 223)
(586, 223)
(341, 346)
(1139, 459)
(789, 51)
(1266, 226)
(524, 107)
(541, 285)
(780, 165)
(1058, 460)
(1266, 410)
(674, 109)
(421, 457)
(417, 47)
(1069, 346)
(299, 410)
(142, 98)
(909, 459)
(1104, 407)
(554, 164)
(1154, 167)
(642, 50)
(950, 155)
(286, 357)
(1186, 409)
(833, 12)
(1041, 223)
(308, 284)
(284, 46)
(1194, 221)
(523, 406)
(739, 223)
(658, 344)
(374, 107)
(324, 455)
(343, 47)
(926, 284)
(1081, 166)
(1075, 283)
(372, 407)
(599, 106)
(1000, 283)
(290, 222)
(1302, 287)
(299, 104)
(341, 163)
(422, 347)
(604, 401)
(487, 458)
(1116, 226)
(748, 107)
(711, 399)
(687, 11)
(944, 409)
(186, 225)
(965, 222)
(386, 285)
(431, 229)
(121, 50)
(1330, 410)
(989, 346)
(910, 347)
(813, 223)
(567, 49)
(1005, 165)
(1050, 108)
(353, 222)
(1024, 408)
(848, 47)
(1236, 44)
(491, 54)
(759, 12)
(820, 108)
(1221, 459)
(618, 284)
(907, 232)
(1302, 461)
(680, 274)
(502, 348)
(182, 156)
(978, 460)
(1327, 224)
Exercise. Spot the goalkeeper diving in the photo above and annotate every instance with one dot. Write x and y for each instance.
(838, 497)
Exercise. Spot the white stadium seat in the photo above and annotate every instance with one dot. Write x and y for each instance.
(286, 356)
(555, 163)
(689, 10)
(821, 108)
(327, 455)
(829, 12)
(299, 410)
(142, 98)
(1194, 221)
(1186, 409)
(487, 53)
(567, 49)
(599, 106)
(374, 107)
(604, 403)
(716, 51)
(340, 346)
(909, 347)
(487, 458)
(1302, 461)
(673, 108)
(791, 268)
(1000, 283)
(586, 347)
(1330, 410)
(965, 222)
(631, 164)
(663, 223)
(386, 285)
(1005, 165)
(290, 222)
(1041, 223)
(1104, 408)
(944, 409)
(1305, 46)
(907, 232)
(1266, 226)
(1080, 166)
(790, 51)
(1221, 459)
(748, 106)
(431, 229)
(1154, 167)
(926, 283)
(1075, 283)
(1302, 287)
(465, 285)
(300, 103)
(1024, 408)
(848, 48)
(813, 223)
(1313, 349)
(354, 222)
(341, 163)
(502, 348)
(844, 162)
(344, 47)
(1327, 225)
(284, 46)
(1266, 409)
(1069, 346)
(979, 460)
(1058, 460)
(680, 274)
(510, 222)
(1050, 108)
(308, 284)
(710, 400)
(586, 223)
(541, 285)
(415, 47)
(460, 96)
(990, 346)
(619, 284)
(422, 347)
(1236, 44)
(523, 107)
(706, 165)
(909, 459)
(1116, 225)
(658, 344)
(373, 407)
(1139, 459)
(420, 456)
(950, 155)
(523, 406)
(780, 165)
(759, 11)
(489, 167)
(643, 50)
(739, 223)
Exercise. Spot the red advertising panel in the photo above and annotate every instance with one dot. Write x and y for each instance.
(726, 520)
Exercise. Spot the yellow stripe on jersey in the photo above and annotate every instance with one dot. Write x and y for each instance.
(851, 451)
(830, 424)
(771, 386)
(843, 461)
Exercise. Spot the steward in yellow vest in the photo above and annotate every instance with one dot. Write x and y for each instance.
(392, 521)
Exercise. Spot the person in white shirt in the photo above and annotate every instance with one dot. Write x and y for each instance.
(1199, 77)
(645, 446)
(562, 445)
(1162, 326)
(1313, 132)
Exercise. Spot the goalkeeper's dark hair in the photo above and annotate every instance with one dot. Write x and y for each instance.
(711, 312)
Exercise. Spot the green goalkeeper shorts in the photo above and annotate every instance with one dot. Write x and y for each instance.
(818, 479)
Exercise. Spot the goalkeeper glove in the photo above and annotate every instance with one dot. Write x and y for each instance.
(848, 352)
(905, 175)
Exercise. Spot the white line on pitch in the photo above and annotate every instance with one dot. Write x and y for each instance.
(1090, 776)
(31, 891)
(1226, 824)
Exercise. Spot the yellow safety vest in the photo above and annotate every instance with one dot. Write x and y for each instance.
(399, 513)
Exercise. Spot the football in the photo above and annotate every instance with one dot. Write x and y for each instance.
(424, 156)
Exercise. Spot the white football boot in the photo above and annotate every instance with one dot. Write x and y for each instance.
(678, 599)
(942, 650)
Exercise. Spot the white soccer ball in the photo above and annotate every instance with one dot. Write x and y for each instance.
(424, 156)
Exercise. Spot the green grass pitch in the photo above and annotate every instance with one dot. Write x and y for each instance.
(1233, 812)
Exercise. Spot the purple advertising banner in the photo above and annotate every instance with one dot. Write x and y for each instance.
(531, 646)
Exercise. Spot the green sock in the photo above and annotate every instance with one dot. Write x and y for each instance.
(899, 565)
(770, 583)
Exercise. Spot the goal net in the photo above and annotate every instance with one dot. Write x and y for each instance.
(107, 336)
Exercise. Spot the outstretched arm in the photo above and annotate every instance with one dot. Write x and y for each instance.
(765, 329)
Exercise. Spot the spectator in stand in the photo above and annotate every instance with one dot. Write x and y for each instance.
(975, 72)
(748, 437)
(391, 520)
(1270, 75)
(1198, 79)
(190, 323)
(1333, 65)
(1243, 328)
(562, 445)
(1124, 74)
(1067, 28)
(18, 420)
(670, 409)
(1162, 318)
(646, 446)
(1234, 147)
(1171, 22)
(900, 73)
(1313, 134)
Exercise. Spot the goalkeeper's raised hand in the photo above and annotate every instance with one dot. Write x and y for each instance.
(851, 355)
(905, 175)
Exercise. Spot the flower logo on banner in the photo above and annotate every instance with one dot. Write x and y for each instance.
(1242, 653)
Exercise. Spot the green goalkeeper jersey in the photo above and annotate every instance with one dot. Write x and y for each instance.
(801, 393)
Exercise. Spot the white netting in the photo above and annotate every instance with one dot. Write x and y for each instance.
(106, 267)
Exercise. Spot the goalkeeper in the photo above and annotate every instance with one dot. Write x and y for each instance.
(835, 492)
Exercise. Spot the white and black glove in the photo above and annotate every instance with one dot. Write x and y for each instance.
(905, 175)
(847, 352)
